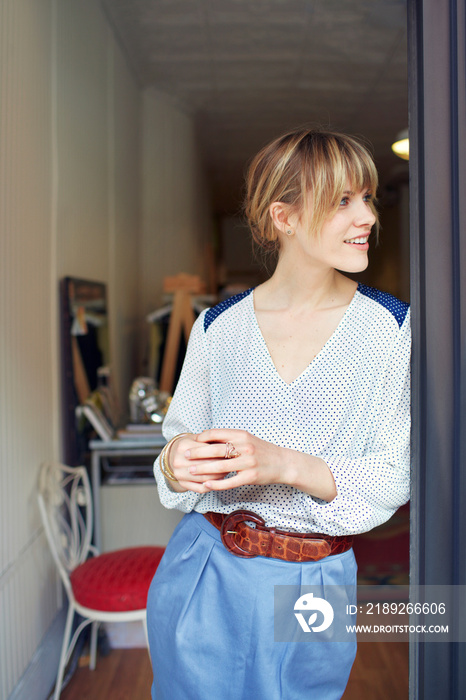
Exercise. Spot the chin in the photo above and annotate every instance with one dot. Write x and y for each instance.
(354, 267)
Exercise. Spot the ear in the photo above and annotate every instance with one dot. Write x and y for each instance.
(280, 215)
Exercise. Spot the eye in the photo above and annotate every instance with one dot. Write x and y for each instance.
(344, 201)
(368, 198)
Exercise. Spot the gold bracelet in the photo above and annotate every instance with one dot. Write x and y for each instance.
(165, 468)
(164, 464)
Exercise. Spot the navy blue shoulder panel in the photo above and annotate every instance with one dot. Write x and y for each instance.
(215, 311)
(397, 308)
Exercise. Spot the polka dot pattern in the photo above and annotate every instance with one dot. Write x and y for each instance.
(211, 314)
(398, 308)
(350, 406)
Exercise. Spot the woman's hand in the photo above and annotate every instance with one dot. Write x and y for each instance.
(257, 462)
(180, 463)
(199, 464)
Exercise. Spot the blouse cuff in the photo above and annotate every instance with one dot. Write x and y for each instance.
(184, 501)
(352, 511)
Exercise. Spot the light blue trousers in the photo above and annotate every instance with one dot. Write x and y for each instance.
(210, 620)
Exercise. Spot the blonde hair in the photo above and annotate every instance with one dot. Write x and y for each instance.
(305, 167)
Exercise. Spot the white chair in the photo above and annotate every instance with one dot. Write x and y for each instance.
(110, 587)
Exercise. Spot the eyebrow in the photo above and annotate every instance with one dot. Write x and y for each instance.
(351, 193)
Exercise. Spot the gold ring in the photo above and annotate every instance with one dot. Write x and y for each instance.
(231, 451)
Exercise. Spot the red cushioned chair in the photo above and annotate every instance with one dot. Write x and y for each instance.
(109, 587)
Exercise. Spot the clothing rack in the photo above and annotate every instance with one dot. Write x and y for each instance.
(186, 290)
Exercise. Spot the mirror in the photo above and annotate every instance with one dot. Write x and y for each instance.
(84, 352)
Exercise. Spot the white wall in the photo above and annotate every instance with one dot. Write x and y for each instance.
(145, 521)
(69, 205)
(79, 179)
(177, 221)
(125, 221)
(28, 593)
(98, 120)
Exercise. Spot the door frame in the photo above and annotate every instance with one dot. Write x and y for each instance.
(437, 124)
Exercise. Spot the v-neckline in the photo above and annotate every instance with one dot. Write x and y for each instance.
(317, 357)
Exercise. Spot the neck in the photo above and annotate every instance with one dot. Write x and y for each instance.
(300, 284)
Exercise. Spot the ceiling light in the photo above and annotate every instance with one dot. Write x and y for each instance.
(401, 145)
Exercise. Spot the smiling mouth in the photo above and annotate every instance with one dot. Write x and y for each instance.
(362, 240)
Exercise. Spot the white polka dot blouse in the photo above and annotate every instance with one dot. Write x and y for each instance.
(350, 407)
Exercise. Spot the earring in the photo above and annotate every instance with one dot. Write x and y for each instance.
(289, 232)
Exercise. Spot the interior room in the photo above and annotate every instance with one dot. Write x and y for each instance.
(125, 131)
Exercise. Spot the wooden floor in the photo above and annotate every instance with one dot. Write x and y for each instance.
(380, 672)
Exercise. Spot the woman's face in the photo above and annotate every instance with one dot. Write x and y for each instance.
(343, 241)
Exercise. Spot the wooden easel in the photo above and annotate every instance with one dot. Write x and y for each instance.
(181, 320)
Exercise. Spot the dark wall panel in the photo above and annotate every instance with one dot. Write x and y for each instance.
(437, 55)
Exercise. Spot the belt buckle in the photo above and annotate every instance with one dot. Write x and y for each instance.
(228, 531)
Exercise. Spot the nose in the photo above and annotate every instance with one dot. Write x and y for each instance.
(364, 216)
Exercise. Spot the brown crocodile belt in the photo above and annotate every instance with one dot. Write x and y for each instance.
(246, 541)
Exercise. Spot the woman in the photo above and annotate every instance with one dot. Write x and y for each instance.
(303, 385)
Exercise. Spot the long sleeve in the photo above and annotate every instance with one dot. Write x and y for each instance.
(371, 487)
(189, 411)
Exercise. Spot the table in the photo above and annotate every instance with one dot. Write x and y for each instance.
(149, 446)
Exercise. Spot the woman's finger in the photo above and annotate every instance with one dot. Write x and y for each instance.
(240, 479)
(190, 481)
(222, 435)
(194, 486)
(215, 450)
(222, 466)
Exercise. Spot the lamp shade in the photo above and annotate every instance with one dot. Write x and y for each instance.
(401, 145)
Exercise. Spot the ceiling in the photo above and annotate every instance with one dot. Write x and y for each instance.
(247, 70)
